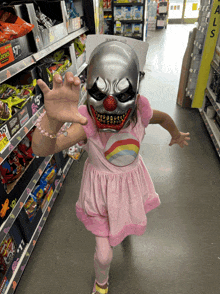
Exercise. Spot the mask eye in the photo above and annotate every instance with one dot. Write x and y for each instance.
(127, 95)
(96, 93)
(123, 97)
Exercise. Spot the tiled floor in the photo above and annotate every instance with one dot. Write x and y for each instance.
(179, 253)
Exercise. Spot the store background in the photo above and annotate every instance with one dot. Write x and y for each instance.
(179, 253)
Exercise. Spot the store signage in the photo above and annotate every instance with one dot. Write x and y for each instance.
(216, 16)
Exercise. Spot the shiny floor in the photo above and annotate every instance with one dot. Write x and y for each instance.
(180, 250)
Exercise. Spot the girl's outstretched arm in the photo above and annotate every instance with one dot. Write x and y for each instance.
(168, 124)
(61, 104)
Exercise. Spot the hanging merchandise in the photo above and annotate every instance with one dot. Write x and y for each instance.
(75, 151)
(71, 10)
(12, 168)
(12, 27)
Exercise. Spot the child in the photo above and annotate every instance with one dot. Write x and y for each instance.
(116, 189)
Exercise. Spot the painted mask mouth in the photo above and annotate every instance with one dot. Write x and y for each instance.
(110, 121)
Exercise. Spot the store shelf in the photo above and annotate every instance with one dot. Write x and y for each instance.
(43, 53)
(16, 68)
(30, 246)
(213, 130)
(129, 4)
(215, 66)
(20, 135)
(212, 99)
(129, 21)
(81, 69)
(107, 10)
(15, 212)
(25, 63)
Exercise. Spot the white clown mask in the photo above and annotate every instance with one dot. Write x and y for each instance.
(112, 84)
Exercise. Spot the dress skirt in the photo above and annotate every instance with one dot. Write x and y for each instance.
(114, 205)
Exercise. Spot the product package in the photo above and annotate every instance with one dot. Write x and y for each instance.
(137, 12)
(75, 151)
(12, 27)
(127, 31)
(118, 13)
(12, 167)
(127, 13)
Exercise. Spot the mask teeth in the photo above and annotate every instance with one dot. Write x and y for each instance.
(110, 119)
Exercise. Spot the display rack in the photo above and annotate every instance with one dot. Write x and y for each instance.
(126, 23)
(204, 46)
(210, 111)
(30, 246)
(72, 30)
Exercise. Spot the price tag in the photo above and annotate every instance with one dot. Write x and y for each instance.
(4, 138)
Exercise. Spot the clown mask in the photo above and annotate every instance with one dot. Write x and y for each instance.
(112, 84)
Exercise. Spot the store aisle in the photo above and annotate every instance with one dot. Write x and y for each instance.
(179, 252)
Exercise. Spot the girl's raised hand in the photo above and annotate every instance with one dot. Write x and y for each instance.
(61, 103)
(181, 140)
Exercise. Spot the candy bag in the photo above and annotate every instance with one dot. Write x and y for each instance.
(12, 27)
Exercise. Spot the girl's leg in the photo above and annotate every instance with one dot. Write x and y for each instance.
(102, 259)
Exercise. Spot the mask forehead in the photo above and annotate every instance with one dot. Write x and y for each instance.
(113, 61)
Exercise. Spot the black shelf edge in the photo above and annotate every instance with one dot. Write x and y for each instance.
(129, 21)
(129, 4)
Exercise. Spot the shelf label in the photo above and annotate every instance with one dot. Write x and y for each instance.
(4, 138)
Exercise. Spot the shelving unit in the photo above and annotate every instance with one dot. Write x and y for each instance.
(6, 73)
(30, 246)
(210, 100)
(119, 23)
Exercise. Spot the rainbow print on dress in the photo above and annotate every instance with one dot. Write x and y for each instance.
(122, 149)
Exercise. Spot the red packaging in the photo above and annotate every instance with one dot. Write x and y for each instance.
(12, 26)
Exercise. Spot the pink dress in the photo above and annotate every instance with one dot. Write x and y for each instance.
(116, 189)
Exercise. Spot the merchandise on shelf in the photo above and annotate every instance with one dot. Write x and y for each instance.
(16, 42)
(71, 10)
(118, 13)
(127, 30)
(75, 151)
(19, 91)
(11, 249)
(137, 12)
(215, 85)
(57, 62)
(12, 27)
(118, 28)
(137, 30)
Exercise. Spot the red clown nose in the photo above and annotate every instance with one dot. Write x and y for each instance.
(110, 103)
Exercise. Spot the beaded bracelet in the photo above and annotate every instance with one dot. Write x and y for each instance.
(44, 133)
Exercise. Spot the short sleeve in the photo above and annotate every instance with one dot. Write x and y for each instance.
(89, 128)
(145, 110)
